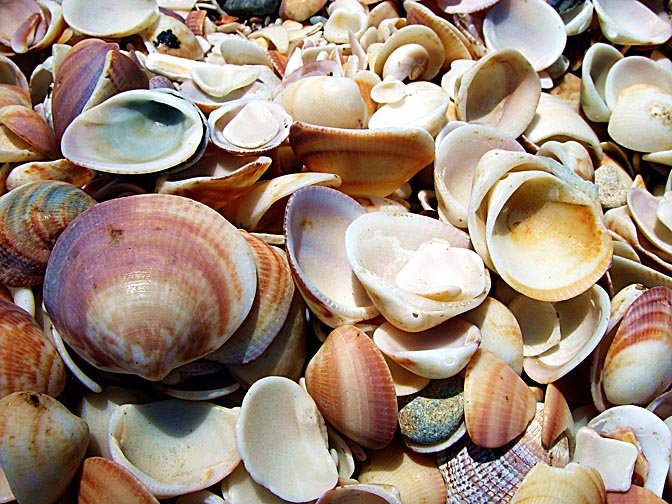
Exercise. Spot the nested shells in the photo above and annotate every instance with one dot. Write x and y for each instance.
(640, 354)
(28, 360)
(418, 271)
(199, 436)
(41, 446)
(574, 483)
(33, 216)
(135, 299)
(292, 460)
(137, 131)
(352, 386)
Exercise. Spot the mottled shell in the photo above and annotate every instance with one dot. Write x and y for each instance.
(135, 299)
(33, 216)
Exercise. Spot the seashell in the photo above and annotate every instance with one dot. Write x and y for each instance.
(571, 154)
(406, 264)
(405, 382)
(201, 380)
(501, 89)
(273, 296)
(597, 62)
(369, 162)
(174, 68)
(341, 21)
(299, 10)
(30, 127)
(583, 323)
(635, 494)
(457, 155)
(11, 75)
(436, 353)
(110, 20)
(40, 171)
(107, 481)
(42, 446)
(33, 216)
(464, 6)
(533, 28)
(579, 18)
(492, 390)
(557, 416)
(637, 105)
(260, 89)
(483, 475)
(631, 70)
(641, 335)
(240, 487)
(112, 136)
(89, 61)
(200, 437)
(11, 94)
(249, 127)
(216, 180)
(655, 440)
(631, 23)
(279, 412)
(415, 475)
(575, 483)
(220, 80)
(366, 494)
(240, 51)
(6, 494)
(322, 100)
(539, 323)
(168, 35)
(158, 329)
(651, 216)
(414, 52)
(352, 387)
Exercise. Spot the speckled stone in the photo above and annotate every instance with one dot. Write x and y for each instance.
(317, 19)
(612, 190)
(250, 8)
(434, 413)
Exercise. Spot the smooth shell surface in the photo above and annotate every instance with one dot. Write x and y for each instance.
(173, 315)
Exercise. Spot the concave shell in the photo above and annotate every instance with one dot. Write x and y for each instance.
(199, 436)
(28, 360)
(574, 483)
(533, 27)
(103, 480)
(631, 22)
(439, 352)
(374, 493)
(41, 446)
(597, 62)
(333, 294)
(353, 388)
(32, 128)
(98, 18)
(478, 475)
(33, 216)
(464, 6)
(39, 171)
(396, 256)
(240, 487)
(136, 132)
(638, 364)
(125, 307)
(413, 52)
(635, 495)
(414, 474)
(650, 214)
(494, 393)
(630, 70)
(369, 162)
(501, 89)
(292, 460)
(557, 416)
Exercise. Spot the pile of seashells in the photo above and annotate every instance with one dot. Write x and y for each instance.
(349, 251)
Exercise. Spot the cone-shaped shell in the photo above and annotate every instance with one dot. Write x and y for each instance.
(353, 387)
(41, 446)
(135, 299)
(282, 440)
(575, 483)
(33, 216)
(103, 480)
(28, 360)
(498, 405)
(369, 162)
(641, 353)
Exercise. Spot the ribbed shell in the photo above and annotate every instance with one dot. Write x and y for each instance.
(349, 380)
(575, 483)
(104, 480)
(146, 283)
(28, 360)
(32, 217)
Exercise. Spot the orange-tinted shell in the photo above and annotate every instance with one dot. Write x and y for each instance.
(104, 480)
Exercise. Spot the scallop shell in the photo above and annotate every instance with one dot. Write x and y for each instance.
(574, 483)
(103, 480)
(175, 315)
(353, 388)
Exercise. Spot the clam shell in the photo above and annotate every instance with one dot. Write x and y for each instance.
(369, 162)
(639, 355)
(176, 315)
(365, 494)
(634, 495)
(630, 70)
(557, 416)
(40, 171)
(240, 487)
(32, 128)
(33, 216)
(110, 19)
(42, 445)
(137, 132)
(493, 392)
(103, 480)
(28, 359)
(199, 436)
(353, 388)
(631, 22)
(293, 460)
(574, 483)
(597, 62)
(413, 52)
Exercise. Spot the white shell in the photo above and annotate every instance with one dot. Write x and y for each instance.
(99, 18)
(634, 70)
(597, 62)
(630, 22)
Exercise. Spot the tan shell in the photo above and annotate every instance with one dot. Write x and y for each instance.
(104, 480)
(574, 483)
(110, 19)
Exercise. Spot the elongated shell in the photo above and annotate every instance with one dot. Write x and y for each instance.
(135, 299)
(136, 132)
(33, 216)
